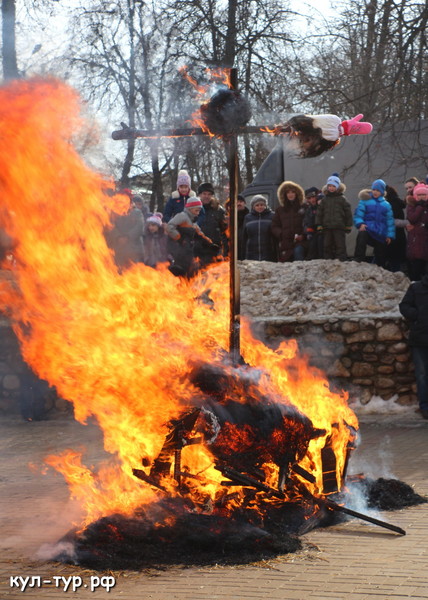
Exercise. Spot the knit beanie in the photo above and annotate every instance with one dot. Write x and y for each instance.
(333, 180)
(155, 220)
(258, 198)
(192, 202)
(206, 187)
(379, 185)
(421, 187)
(183, 178)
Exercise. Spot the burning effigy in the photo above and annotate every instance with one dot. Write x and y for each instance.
(201, 447)
(226, 112)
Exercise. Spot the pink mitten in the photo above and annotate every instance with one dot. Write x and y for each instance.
(353, 126)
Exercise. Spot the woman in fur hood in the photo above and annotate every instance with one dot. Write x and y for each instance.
(287, 222)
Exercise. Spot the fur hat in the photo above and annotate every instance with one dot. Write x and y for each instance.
(290, 186)
(183, 178)
(193, 202)
(206, 187)
(420, 188)
(154, 220)
(258, 198)
(312, 191)
(379, 185)
(333, 180)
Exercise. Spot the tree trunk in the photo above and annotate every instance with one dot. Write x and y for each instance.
(10, 66)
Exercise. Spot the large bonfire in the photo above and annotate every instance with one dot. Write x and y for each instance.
(129, 348)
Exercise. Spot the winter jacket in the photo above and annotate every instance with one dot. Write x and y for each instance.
(175, 205)
(257, 236)
(240, 226)
(126, 237)
(334, 211)
(213, 221)
(155, 247)
(309, 219)
(183, 227)
(397, 248)
(376, 214)
(414, 308)
(183, 231)
(417, 238)
(287, 221)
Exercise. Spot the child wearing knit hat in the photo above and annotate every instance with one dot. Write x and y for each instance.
(374, 220)
(155, 242)
(334, 219)
(177, 201)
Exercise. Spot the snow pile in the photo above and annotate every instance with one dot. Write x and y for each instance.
(319, 288)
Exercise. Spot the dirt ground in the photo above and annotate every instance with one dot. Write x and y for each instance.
(353, 560)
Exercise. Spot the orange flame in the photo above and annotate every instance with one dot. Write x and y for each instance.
(118, 345)
(220, 77)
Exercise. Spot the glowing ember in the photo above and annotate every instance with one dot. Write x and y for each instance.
(123, 347)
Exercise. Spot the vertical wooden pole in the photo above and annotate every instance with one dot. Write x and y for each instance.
(234, 287)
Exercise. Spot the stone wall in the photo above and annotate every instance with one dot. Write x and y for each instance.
(364, 355)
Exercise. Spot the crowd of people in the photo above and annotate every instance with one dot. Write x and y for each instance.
(192, 231)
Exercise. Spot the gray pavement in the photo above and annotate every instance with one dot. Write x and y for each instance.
(352, 561)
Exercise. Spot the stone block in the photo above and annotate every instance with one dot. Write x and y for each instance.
(407, 400)
(387, 359)
(398, 348)
(362, 369)
(370, 358)
(403, 358)
(403, 367)
(384, 382)
(361, 336)
(350, 326)
(335, 338)
(389, 332)
(365, 382)
(337, 370)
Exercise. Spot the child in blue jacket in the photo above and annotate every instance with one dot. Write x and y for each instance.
(374, 220)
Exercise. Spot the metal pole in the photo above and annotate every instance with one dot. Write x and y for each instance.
(234, 287)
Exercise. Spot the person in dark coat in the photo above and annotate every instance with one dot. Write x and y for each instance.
(414, 308)
(257, 231)
(183, 232)
(125, 237)
(287, 222)
(314, 238)
(242, 211)
(417, 235)
(213, 223)
(396, 251)
(334, 218)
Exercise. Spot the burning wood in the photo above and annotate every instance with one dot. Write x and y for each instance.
(119, 345)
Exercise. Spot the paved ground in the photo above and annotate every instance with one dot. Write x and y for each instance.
(352, 561)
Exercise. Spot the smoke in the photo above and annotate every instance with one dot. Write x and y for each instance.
(38, 524)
